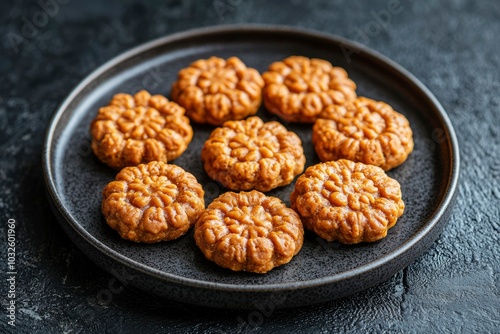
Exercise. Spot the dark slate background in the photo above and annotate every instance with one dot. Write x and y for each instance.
(452, 46)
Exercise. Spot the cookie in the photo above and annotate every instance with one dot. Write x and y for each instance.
(347, 201)
(365, 131)
(152, 202)
(215, 90)
(250, 154)
(249, 231)
(298, 89)
(138, 129)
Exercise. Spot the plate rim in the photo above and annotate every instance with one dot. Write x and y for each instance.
(432, 221)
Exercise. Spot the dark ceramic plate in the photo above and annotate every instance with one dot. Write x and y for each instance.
(321, 271)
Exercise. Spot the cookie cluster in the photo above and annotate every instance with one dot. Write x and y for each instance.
(347, 198)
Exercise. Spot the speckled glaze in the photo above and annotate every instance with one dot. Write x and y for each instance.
(321, 271)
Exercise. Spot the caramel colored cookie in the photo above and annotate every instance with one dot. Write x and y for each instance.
(152, 202)
(347, 201)
(215, 90)
(251, 154)
(138, 129)
(363, 131)
(298, 89)
(249, 231)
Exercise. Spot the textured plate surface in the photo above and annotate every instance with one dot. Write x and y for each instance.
(321, 271)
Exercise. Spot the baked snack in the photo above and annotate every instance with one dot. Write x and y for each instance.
(297, 89)
(152, 202)
(249, 231)
(215, 90)
(250, 154)
(138, 129)
(364, 131)
(347, 201)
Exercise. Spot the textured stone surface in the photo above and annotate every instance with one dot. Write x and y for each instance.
(451, 46)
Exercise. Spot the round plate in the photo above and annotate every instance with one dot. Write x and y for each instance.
(321, 271)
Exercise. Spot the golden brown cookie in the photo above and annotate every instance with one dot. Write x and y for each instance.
(297, 89)
(138, 129)
(152, 202)
(215, 90)
(364, 131)
(251, 154)
(249, 231)
(347, 201)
